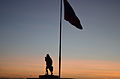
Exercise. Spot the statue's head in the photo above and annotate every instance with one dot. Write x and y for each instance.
(47, 55)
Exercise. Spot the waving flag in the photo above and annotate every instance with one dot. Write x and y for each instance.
(70, 16)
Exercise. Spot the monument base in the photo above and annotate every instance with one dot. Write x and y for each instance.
(48, 77)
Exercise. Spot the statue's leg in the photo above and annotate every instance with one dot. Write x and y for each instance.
(46, 70)
(51, 70)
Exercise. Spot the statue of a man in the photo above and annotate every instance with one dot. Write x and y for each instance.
(48, 64)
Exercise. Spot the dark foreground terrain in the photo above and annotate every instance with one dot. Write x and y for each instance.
(48, 77)
(41, 77)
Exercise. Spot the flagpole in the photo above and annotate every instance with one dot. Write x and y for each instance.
(60, 39)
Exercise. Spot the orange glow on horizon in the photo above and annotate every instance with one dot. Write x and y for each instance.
(70, 68)
(91, 68)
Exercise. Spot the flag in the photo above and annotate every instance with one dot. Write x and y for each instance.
(70, 16)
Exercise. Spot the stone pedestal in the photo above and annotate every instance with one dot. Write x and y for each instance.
(48, 77)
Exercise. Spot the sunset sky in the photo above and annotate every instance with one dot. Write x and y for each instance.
(29, 29)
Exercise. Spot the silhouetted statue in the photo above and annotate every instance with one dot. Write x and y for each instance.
(48, 64)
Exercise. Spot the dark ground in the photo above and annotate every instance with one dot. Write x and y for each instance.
(48, 77)
(41, 77)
